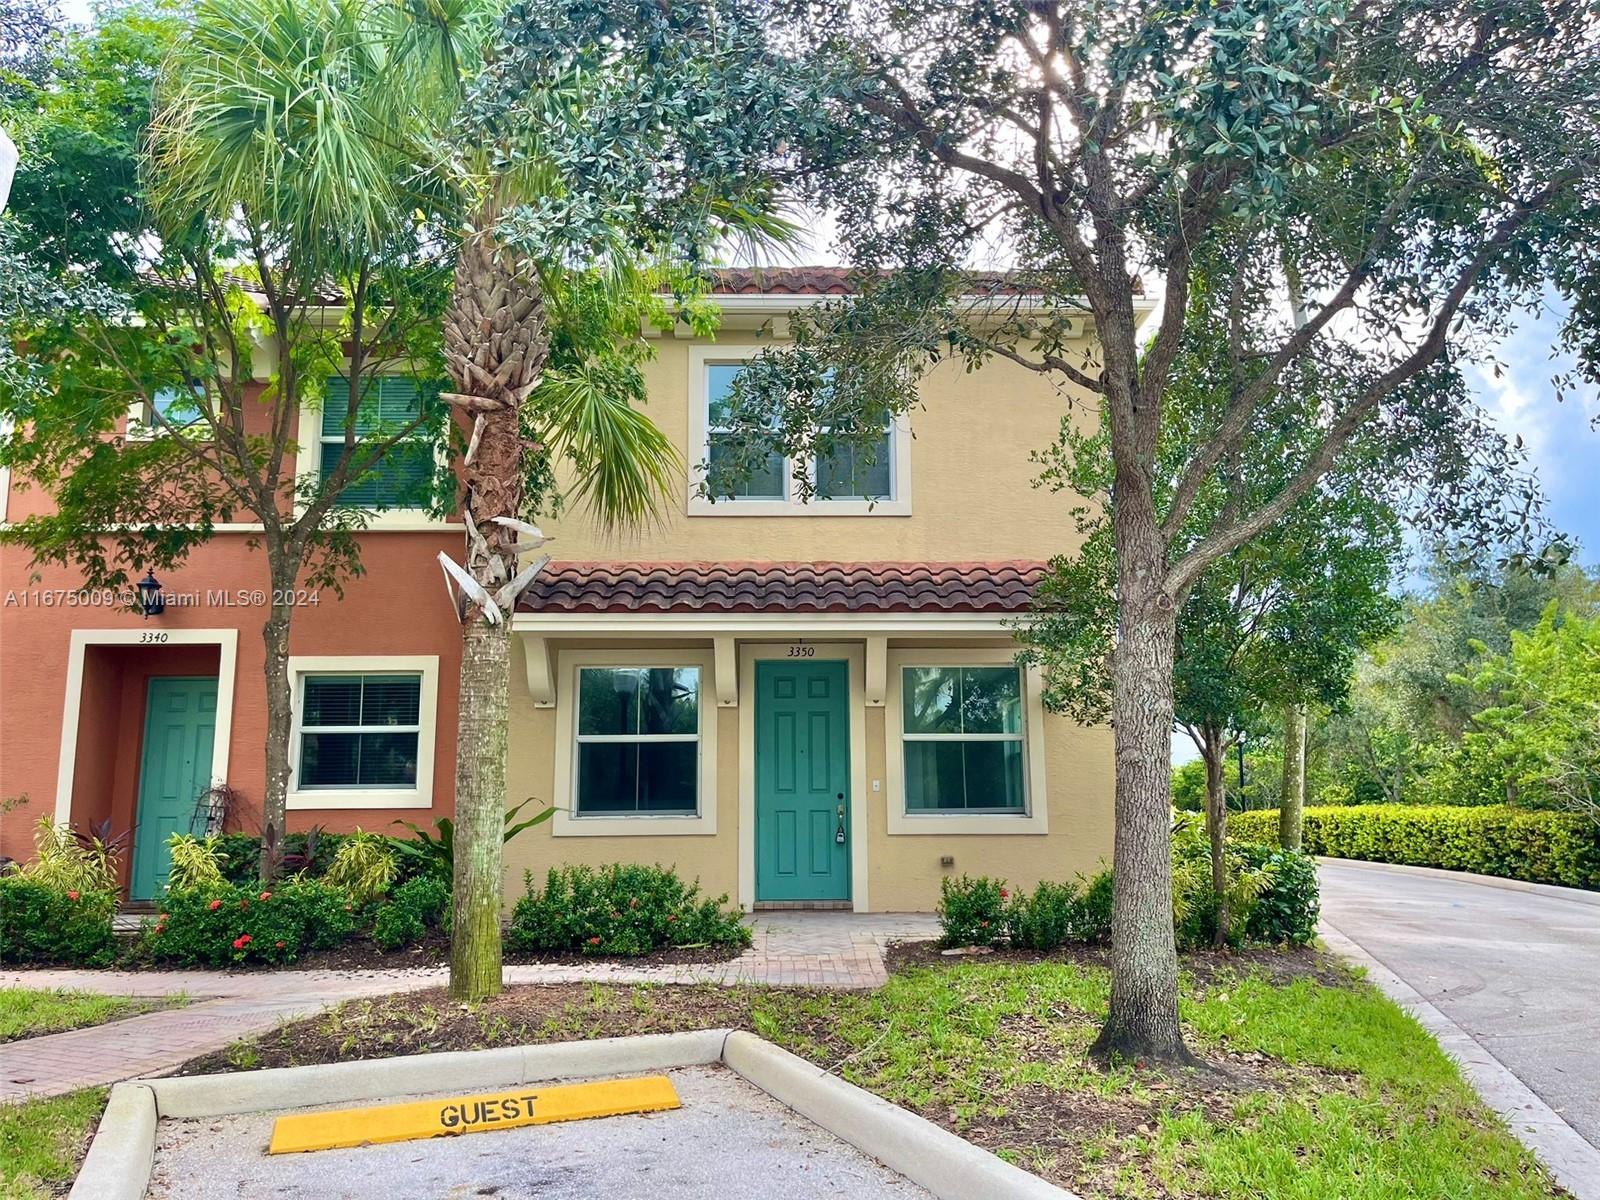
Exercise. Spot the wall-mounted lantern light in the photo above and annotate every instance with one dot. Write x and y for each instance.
(150, 599)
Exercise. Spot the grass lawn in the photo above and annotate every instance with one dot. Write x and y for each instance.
(43, 1141)
(28, 1012)
(1319, 1087)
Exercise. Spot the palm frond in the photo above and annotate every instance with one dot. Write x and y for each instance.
(624, 465)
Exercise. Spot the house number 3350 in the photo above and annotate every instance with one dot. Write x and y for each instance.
(802, 651)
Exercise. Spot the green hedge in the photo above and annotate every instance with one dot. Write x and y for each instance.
(40, 923)
(1514, 843)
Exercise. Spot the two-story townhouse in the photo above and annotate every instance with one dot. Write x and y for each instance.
(810, 703)
(110, 719)
(813, 703)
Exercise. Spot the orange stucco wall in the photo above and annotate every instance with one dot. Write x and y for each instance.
(397, 607)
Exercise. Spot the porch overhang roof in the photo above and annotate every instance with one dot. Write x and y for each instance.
(708, 594)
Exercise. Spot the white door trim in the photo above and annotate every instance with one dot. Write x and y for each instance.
(854, 655)
(227, 643)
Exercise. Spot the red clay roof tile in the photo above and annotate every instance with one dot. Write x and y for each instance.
(743, 587)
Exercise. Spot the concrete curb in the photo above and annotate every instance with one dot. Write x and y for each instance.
(946, 1165)
(1548, 890)
(1572, 1160)
(122, 1155)
(469, 1070)
(123, 1151)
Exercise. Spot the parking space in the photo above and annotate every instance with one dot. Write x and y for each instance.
(730, 1140)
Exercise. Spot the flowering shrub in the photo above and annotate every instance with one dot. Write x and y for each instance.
(623, 908)
(232, 924)
(973, 912)
(41, 923)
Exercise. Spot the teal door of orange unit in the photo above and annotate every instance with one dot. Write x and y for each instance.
(802, 780)
(180, 724)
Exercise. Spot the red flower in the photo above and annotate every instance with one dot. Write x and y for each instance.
(214, 905)
(280, 945)
(594, 941)
(72, 895)
(983, 924)
(244, 904)
(672, 916)
(240, 942)
(266, 895)
(1004, 894)
(162, 918)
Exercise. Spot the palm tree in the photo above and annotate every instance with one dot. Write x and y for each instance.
(506, 307)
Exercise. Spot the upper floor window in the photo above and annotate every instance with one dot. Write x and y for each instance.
(176, 407)
(855, 480)
(402, 477)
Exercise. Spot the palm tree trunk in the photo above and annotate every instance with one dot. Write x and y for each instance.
(1291, 804)
(496, 341)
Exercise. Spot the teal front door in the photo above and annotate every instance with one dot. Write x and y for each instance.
(802, 780)
(180, 723)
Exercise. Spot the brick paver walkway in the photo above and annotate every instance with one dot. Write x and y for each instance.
(790, 948)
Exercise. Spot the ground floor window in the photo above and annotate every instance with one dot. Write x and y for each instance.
(363, 733)
(638, 741)
(963, 740)
(360, 730)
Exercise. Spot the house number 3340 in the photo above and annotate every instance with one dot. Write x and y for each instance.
(802, 651)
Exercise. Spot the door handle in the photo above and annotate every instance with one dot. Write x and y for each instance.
(838, 835)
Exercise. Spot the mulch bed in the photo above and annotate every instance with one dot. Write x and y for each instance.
(1279, 965)
(360, 954)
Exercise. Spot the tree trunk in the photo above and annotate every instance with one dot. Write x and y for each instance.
(496, 341)
(1214, 752)
(280, 720)
(1292, 801)
(1143, 1019)
(480, 809)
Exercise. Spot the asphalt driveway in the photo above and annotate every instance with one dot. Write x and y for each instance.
(1519, 971)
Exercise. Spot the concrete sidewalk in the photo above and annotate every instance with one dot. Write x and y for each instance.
(789, 949)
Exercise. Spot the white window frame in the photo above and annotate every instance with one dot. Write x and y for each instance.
(308, 463)
(898, 504)
(567, 822)
(1034, 817)
(418, 796)
(142, 427)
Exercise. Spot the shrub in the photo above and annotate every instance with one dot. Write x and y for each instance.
(1093, 920)
(414, 907)
(1287, 910)
(308, 855)
(973, 912)
(41, 923)
(1045, 919)
(623, 908)
(196, 863)
(70, 862)
(1537, 846)
(364, 866)
(216, 927)
(434, 853)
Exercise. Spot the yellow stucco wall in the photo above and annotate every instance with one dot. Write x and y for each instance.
(903, 870)
(972, 493)
(972, 498)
